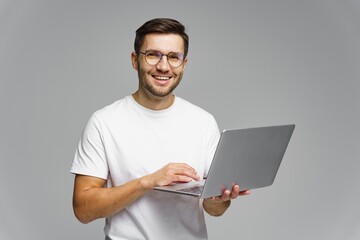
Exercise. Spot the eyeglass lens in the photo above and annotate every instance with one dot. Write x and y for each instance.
(154, 57)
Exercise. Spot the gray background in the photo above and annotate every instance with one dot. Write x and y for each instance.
(251, 63)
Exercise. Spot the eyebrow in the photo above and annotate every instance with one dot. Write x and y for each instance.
(162, 52)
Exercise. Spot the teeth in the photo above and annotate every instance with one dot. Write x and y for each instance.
(162, 78)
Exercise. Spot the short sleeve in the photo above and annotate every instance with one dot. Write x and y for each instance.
(90, 156)
(213, 134)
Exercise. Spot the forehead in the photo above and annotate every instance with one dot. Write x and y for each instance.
(163, 42)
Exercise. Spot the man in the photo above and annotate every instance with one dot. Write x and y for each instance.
(151, 138)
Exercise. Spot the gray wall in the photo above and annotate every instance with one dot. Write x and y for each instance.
(251, 63)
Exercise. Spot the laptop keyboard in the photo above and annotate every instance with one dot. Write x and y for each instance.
(196, 189)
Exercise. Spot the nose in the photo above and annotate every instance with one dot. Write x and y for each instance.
(163, 65)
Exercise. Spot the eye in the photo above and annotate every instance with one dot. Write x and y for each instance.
(153, 54)
(175, 56)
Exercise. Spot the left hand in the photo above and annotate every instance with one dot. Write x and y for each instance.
(229, 195)
(217, 205)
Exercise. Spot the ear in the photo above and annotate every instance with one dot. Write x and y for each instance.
(134, 60)
(184, 63)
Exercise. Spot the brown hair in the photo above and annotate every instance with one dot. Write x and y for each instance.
(161, 25)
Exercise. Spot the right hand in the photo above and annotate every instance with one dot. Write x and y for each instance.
(172, 173)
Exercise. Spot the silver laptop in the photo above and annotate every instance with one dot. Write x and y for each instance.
(247, 157)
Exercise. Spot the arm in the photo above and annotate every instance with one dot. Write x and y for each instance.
(91, 200)
(216, 206)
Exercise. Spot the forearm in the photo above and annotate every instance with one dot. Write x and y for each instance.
(95, 202)
(215, 208)
(91, 200)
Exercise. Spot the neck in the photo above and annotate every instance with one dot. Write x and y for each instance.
(153, 102)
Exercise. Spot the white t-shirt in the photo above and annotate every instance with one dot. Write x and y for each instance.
(124, 141)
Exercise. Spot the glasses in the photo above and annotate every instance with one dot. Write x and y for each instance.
(152, 57)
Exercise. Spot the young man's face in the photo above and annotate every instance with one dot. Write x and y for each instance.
(161, 79)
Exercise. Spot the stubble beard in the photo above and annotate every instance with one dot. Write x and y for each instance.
(154, 90)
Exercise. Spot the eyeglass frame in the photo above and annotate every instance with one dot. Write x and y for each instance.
(161, 56)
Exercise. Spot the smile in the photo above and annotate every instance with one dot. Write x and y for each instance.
(161, 78)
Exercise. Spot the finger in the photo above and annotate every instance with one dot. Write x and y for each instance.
(193, 176)
(187, 172)
(182, 178)
(213, 199)
(245, 192)
(226, 195)
(181, 169)
(182, 166)
(235, 192)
